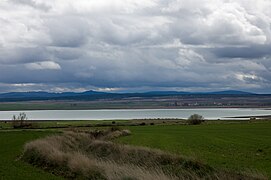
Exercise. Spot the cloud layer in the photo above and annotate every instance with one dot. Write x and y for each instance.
(126, 45)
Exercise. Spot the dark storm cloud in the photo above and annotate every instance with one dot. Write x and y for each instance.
(63, 45)
(22, 55)
(250, 52)
(67, 53)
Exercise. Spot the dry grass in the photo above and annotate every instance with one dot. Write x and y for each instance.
(86, 155)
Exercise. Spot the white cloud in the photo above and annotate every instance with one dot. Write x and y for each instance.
(51, 65)
(244, 77)
(132, 44)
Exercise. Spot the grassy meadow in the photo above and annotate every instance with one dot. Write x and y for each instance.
(7, 125)
(237, 146)
(11, 147)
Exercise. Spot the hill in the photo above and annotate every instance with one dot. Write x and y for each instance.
(94, 95)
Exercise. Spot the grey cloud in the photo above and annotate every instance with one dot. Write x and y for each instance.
(66, 53)
(151, 44)
(250, 52)
(221, 22)
(19, 55)
(67, 31)
(33, 3)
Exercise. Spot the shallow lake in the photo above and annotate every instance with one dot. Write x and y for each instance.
(214, 113)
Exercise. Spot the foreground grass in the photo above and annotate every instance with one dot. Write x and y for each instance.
(244, 146)
(11, 146)
(89, 155)
(231, 145)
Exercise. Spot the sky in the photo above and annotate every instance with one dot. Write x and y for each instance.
(134, 46)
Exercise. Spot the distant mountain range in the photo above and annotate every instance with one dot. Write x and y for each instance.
(229, 92)
(92, 95)
(46, 94)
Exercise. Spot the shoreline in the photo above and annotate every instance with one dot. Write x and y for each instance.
(132, 114)
(137, 108)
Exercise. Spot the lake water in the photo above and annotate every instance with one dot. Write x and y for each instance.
(218, 113)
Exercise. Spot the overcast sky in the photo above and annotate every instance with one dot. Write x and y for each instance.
(128, 45)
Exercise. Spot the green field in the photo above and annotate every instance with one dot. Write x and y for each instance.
(7, 125)
(236, 146)
(242, 147)
(11, 145)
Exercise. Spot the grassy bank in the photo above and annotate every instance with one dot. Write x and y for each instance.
(48, 124)
(4, 125)
(36, 124)
(237, 146)
(11, 146)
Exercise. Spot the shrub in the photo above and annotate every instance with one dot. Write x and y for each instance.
(195, 119)
(142, 124)
(20, 121)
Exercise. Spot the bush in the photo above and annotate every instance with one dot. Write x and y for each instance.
(142, 124)
(195, 119)
(20, 121)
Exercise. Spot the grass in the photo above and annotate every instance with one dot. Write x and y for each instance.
(4, 125)
(47, 124)
(236, 146)
(84, 155)
(11, 146)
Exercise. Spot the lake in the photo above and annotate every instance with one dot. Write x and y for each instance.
(210, 113)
